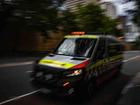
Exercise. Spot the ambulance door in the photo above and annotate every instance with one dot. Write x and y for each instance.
(100, 56)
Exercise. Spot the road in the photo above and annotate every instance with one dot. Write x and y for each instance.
(15, 87)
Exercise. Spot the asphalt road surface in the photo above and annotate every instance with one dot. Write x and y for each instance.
(15, 88)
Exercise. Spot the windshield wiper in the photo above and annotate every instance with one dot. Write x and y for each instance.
(62, 54)
(79, 58)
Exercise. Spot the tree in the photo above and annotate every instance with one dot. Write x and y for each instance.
(18, 16)
(36, 14)
(136, 13)
(91, 18)
(137, 43)
(5, 12)
(67, 21)
(31, 14)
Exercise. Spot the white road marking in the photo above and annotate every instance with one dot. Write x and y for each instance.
(28, 71)
(16, 64)
(18, 97)
(131, 58)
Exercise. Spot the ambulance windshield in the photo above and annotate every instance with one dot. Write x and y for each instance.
(78, 47)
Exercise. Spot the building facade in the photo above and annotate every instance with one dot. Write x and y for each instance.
(72, 5)
(110, 9)
(132, 30)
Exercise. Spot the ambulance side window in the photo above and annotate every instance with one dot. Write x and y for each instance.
(112, 47)
(101, 50)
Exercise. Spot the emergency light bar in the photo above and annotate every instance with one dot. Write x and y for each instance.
(78, 33)
(89, 33)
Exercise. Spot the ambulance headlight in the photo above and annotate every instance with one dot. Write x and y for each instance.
(74, 73)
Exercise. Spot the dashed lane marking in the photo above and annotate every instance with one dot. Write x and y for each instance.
(16, 64)
(18, 97)
(29, 71)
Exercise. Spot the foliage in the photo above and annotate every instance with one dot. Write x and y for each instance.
(138, 42)
(36, 15)
(91, 18)
(136, 18)
(5, 13)
(32, 14)
(43, 15)
(67, 21)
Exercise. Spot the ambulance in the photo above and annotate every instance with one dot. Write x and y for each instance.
(80, 63)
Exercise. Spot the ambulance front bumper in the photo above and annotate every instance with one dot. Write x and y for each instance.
(55, 82)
